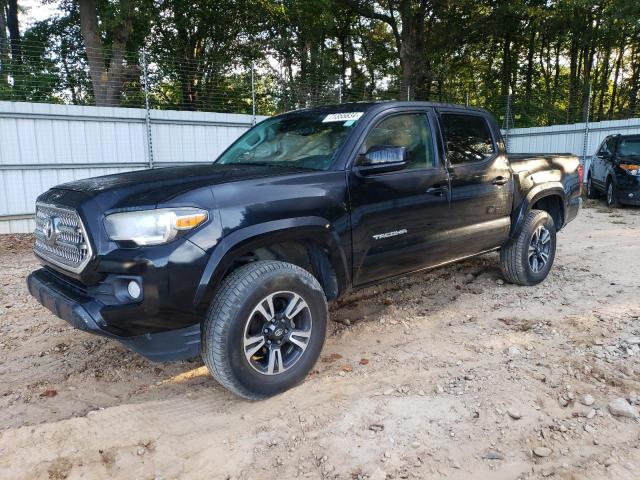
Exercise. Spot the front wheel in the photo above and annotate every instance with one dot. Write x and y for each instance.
(528, 258)
(265, 329)
(612, 195)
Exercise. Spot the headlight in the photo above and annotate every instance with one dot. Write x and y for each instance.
(152, 227)
(631, 169)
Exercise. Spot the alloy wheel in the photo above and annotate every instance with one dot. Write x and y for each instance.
(277, 332)
(539, 248)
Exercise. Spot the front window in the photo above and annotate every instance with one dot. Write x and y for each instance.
(305, 140)
(410, 131)
(629, 147)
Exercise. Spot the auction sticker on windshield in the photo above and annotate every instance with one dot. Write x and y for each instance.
(342, 117)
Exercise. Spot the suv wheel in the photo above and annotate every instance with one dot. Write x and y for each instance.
(265, 328)
(528, 258)
(612, 195)
(591, 193)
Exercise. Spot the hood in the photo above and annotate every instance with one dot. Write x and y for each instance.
(171, 177)
(160, 185)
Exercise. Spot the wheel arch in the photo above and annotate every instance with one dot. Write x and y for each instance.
(549, 197)
(310, 243)
(610, 178)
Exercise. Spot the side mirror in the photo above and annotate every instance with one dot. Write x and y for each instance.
(382, 159)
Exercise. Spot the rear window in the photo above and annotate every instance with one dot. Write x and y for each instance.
(467, 138)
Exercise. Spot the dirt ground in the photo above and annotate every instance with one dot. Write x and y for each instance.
(444, 374)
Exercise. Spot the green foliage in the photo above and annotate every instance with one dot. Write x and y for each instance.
(559, 58)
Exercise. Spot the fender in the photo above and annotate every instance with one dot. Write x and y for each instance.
(538, 192)
(317, 229)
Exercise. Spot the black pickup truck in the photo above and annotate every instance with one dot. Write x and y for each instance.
(237, 259)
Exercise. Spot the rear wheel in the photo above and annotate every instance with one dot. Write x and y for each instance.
(528, 258)
(612, 194)
(265, 329)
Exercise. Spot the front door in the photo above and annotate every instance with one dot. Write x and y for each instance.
(399, 219)
(601, 160)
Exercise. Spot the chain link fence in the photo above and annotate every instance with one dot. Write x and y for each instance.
(71, 74)
(140, 79)
(159, 110)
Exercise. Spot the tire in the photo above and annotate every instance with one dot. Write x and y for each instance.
(612, 194)
(237, 318)
(516, 260)
(591, 193)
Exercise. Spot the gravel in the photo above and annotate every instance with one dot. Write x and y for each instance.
(587, 400)
(437, 344)
(542, 451)
(621, 408)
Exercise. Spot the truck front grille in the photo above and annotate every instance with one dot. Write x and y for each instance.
(61, 238)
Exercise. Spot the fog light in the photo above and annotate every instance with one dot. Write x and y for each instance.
(134, 289)
(631, 195)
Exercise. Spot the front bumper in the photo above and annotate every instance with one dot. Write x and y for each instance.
(628, 189)
(84, 312)
(629, 196)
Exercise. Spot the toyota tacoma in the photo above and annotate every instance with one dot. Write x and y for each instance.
(236, 260)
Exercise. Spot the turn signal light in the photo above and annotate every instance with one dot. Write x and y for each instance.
(187, 222)
(630, 168)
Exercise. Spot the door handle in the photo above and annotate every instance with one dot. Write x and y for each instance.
(500, 181)
(438, 190)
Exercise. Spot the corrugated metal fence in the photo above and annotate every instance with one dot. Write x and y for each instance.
(42, 145)
(569, 138)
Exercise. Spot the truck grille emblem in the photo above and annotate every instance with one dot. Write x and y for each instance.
(51, 230)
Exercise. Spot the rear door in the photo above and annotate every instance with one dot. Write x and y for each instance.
(399, 219)
(481, 182)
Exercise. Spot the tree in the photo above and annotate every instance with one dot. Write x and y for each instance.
(197, 42)
(551, 54)
(107, 34)
(406, 18)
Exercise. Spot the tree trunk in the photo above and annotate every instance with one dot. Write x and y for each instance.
(556, 73)
(530, 60)
(604, 83)
(14, 32)
(573, 69)
(187, 89)
(634, 82)
(616, 75)
(4, 51)
(506, 66)
(545, 68)
(106, 67)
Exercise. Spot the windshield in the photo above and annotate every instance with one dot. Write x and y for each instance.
(629, 147)
(305, 140)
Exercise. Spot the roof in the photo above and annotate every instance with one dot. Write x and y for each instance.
(365, 106)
